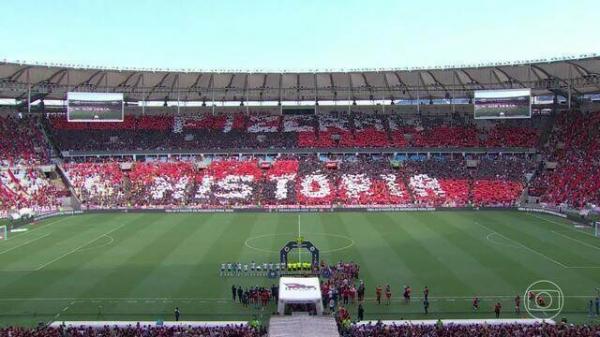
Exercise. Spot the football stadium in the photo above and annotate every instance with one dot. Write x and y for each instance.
(391, 200)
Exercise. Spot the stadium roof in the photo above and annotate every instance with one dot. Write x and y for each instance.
(577, 75)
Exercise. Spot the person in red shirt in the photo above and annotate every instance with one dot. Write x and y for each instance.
(352, 294)
(426, 293)
(388, 294)
(475, 303)
(497, 309)
(518, 304)
(378, 292)
(345, 295)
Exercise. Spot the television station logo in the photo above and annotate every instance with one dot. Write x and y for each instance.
(544, 300)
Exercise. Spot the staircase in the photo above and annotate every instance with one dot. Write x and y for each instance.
(62, 175)
(299, 325)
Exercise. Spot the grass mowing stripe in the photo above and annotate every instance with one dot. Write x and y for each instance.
(76, 249)
(572, 228)
(578, 241)
(158, 263)
(542, 239)
(23, 244)
(40, 226)
(523, 246)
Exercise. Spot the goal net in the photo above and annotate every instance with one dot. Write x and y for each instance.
(3, 233)
(597, 229)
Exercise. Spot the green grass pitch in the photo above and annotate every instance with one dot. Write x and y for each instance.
(140, 266)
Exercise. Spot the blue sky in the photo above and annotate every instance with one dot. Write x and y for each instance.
(294, 35)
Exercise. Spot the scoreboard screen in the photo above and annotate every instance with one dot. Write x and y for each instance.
(501, 104)
(95, 107)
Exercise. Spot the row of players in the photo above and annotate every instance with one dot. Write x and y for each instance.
(261, 269)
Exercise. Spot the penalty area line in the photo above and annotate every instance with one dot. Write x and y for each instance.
(41, 226)
(76, 249)
(23, 244)
(523, 246)
(561, 224)
(578, 241)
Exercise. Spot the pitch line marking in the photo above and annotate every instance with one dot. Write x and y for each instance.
(111, 240)
(64, 310)
(250, 239)
(560, 224)
(43, 226)
(76, 249)
(489, 238)
(24, 243)
(578, 241)
(299, 234)
(523, 246)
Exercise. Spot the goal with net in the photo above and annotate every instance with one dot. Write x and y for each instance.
(3, 233)
(597, 228)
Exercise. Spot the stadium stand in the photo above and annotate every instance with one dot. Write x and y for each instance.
(516, 330)
(21, 142)
(228, 331)
(251, 131)
(300, 180)
(25, 187)
(368, 330)
(574, 146)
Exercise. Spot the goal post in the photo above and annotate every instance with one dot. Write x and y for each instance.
(597, 228)
(3, 233)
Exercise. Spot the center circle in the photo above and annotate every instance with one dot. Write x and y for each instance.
(342, 241)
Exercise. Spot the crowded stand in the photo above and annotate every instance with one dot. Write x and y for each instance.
(367, 330)
(574, 148)
(300, 181)
(455, 330)
(135, 330)
(28, 188)
(254, 130)
(97, 184)
(21, 142)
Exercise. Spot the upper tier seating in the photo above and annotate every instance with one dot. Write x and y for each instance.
(239, 131)
(21, 142)
(575, 146)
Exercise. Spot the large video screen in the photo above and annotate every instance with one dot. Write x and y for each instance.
(94, 107)
(499, 104)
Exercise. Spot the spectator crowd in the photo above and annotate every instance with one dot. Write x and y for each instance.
(450, 330)
(137, 331)
(264, 130)
(301, 181)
